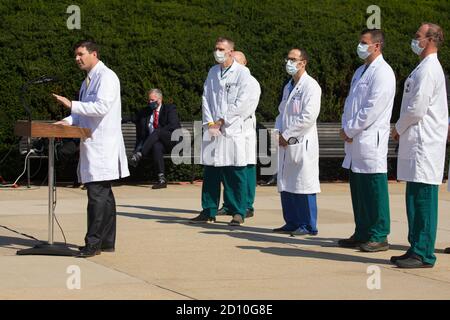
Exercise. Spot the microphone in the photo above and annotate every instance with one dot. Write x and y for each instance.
(44, 79)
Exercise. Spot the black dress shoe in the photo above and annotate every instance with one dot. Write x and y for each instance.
(412, 262)
(103, 249)
(404, 256)
(250, 213)
(349, 243)
(447, 250)
(283, 230)
(160, 185)
(271, 182)
(89, 251)
(202, 218)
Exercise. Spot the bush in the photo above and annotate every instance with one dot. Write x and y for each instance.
(168, 44)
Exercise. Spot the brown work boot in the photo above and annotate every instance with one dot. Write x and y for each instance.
(237, 220)
(374, 246)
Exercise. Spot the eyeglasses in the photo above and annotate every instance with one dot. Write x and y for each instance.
(292, 60)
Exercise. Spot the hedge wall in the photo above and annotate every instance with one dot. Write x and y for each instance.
(168, 44)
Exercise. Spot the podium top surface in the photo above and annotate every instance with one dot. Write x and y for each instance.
(45, 129)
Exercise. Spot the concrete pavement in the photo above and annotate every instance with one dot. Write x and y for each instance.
(160, 256)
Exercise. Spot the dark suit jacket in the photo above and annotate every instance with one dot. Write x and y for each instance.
(167, 122)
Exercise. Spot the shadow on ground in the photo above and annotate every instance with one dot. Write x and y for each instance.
(16, 243)
(258, 234)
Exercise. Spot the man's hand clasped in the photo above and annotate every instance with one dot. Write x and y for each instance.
(344, 136)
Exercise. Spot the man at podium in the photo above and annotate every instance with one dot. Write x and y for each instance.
(102, 156)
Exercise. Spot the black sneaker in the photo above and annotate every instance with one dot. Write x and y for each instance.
(447, 250)
(237, 220)
(349, 243)
(412, 262)
(202, 218)
(250, 213)
(394, 259)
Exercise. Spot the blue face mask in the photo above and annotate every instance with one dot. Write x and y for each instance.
(363, 51)
(416, 48)
(291, 67)
(153, 105)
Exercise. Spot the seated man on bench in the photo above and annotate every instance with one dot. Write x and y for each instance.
(154, 126)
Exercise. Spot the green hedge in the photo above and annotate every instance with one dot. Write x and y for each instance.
(168, 44)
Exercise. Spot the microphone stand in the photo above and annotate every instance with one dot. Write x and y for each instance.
(23, 90)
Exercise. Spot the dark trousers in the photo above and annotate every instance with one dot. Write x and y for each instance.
(157, 144)
(101, 211)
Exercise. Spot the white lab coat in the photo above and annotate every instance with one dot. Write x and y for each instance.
(247, 115)
(102, 156)
(447, 86)
(250, 122)
(298, 164)
(366, 117)
(226, 98)
(423, 124)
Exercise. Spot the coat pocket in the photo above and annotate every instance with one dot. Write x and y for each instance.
(409, 143)
(367, 145)
(236, 128)
(294, 153)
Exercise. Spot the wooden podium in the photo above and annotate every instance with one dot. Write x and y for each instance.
(51, 131)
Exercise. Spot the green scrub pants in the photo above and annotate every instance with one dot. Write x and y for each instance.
(422, 211)
(370, 199)
(234, 181)
(250, 172)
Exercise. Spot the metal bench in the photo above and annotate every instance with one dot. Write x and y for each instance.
(129, 137)
(330, 143)
(331, 146)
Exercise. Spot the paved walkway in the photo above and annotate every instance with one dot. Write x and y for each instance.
(160, 256)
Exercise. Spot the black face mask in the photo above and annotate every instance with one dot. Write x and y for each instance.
(153, 105)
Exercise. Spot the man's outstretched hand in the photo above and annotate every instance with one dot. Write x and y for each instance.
(63, 100)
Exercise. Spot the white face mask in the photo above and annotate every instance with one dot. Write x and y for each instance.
(291, 67)
(416, 47)
(363, 51)
(219, 56)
